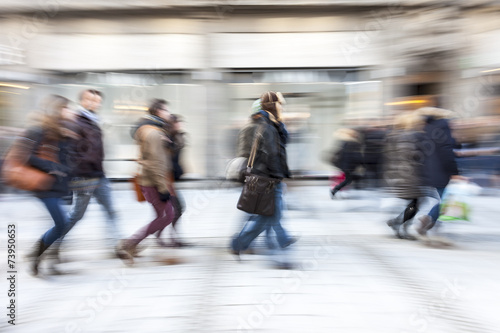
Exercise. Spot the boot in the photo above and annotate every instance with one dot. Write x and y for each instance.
(125, 251)
(426, 224)
(410, 210)
(40, 248)
(54, 252)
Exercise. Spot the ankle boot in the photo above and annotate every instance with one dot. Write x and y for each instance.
(40, 248)
(125, 251)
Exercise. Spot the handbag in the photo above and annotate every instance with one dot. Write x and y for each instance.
(236, 168)
(137, 189)
(258, 194)
(19, 174)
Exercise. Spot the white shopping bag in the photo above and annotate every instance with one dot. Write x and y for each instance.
(455, 205)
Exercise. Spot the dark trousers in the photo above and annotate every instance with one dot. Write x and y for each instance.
(165, 214)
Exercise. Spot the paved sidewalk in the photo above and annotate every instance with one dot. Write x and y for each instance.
(351, 275)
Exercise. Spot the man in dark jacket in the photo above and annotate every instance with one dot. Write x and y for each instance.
(89, 178)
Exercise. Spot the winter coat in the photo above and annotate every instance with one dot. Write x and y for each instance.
(155, 156)
(440, 163)
(271, 157)
(89, 150)
(29, 145)
(403, 163)
(349, 156)
(178, 142)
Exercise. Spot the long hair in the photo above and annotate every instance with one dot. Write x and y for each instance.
(268, 102)
(49, 116)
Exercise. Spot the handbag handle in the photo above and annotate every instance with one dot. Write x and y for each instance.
(253, 152)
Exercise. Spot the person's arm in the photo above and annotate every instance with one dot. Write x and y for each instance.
(446, 151)
(26, 148)
(269, 147)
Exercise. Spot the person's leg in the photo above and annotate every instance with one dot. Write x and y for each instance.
(425, 205)
(407, 214)
(60, 219)
(82, 199)
(275, 220)
(179, 207)
(253, 228)
(434, 212)
(81, 202)
(164, 215)
(103, 196)
(348, 179)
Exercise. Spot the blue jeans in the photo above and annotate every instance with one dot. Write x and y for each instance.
(60, 220)
(434, 212)
(102, 193)
(256, 225)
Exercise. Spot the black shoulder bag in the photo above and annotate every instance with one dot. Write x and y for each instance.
(257, 196)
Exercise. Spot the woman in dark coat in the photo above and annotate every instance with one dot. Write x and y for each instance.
(404, 172)
(51, 134)
(270, 161)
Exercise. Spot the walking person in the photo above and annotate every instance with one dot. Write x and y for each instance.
(270, 161)
(89, 178)
(49, 136)
(176, 143)
(155, 177)
(440, 165)
(348, 157)
(404, 172)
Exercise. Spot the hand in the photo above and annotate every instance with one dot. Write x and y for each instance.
(164, 196)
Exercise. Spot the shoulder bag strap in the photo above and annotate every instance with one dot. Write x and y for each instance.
(253, 152)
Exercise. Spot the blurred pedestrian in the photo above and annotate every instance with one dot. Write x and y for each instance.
(155, 177)
(404, 172)
(245, 140)
(176, 143)
(348, 157)
(373, 147)
(439, 164)
(89, 178)
(270, 161)
(49, 135)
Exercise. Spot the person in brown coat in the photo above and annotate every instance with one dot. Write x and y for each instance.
(155, 178)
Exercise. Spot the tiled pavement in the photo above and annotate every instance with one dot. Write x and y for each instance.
(350, 276)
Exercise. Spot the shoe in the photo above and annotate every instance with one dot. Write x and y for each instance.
(403, 232)
(179, 244)
(284, 265)
(291, 241)
(425, 224)
(395, 226)
(36, 256)
(235, 253)
(138, 249)
(125, 252)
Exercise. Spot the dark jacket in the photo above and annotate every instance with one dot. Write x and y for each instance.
(349, 156)
(30, 142)
(89, 150)
(440, 163)
(178, 142)
(403, 163)
(271, 157)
